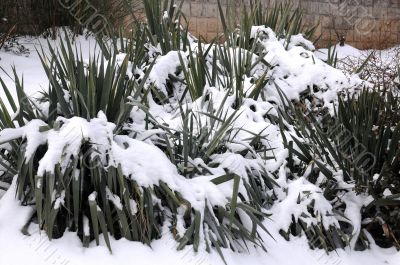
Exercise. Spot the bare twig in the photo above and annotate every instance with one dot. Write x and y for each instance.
(6, 36)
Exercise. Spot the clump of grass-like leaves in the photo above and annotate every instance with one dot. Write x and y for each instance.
(165, 20)
(357, 153)
(84, 189)
(281, 17)
(206, 114)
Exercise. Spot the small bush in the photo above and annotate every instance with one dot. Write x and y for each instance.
(356, 152)
(73, 151)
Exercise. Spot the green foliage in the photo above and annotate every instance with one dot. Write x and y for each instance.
(281, 17)
(89, 186)
(134, 45)
(373, 119)
(332, 57)
(361, 141)
(8, 158)
(196, 73)
(100, 197)
(165, 25)
(83, 89)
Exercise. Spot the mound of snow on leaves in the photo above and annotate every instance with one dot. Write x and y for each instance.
(294, 69)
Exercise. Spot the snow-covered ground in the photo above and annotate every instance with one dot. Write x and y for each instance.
(350, 51)
(382, 66)
(36, 249)
(28, 64)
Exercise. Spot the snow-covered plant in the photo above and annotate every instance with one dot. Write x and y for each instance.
(83, 88)
(3, 38)
(165, 22)
(373, 119)
(285, 20)
(85, 171)
(353, 157)
(9, 151)
(164, 134)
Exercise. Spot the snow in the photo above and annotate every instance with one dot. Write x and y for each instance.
(297, 69)
(302, 190)
(86, 228)
(299, 40)
(347, 51)
(36, 249)
(379, 66)
(165, 65)
(92, 196)
(137, 161)
(67, 141)
(342, 52)
(136, 158)
(114, 199)
(31, 132)
(353, 212)
(60, 200)
(33, 73)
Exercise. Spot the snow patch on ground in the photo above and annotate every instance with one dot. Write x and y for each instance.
(36, 249)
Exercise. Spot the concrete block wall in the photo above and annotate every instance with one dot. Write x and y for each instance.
(364, 23)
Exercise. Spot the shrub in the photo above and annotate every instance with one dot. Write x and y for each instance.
(285, 20)
(161, 133)
(356, 151)
(77, 161)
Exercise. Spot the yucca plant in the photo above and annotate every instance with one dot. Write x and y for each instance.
(84, 151)
(283, 21)
(133, 45)
(196, 71)
(281, 17)
(360, 142)
(239, 64)
(204, 133)
(9, 152)
(332, 57)
(72, 175)
(76, 90)
(312, 155)
(373, 118)
(165, 22)
(225, 66)
(79, 88)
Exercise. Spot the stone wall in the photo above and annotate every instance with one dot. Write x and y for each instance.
(364, 23)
